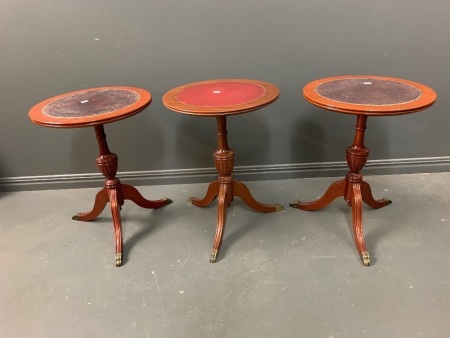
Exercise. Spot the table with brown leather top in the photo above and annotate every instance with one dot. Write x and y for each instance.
(95, 107)
(362, 96)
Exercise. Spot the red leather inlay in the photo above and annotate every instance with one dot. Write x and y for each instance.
(221, 94)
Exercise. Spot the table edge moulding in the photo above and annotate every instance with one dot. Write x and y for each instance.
(38, 116)
(269, 93)
(426, 99)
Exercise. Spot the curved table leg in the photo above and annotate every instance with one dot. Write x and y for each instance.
(131, 193)
(356, 203)
(101, 199)
(115, 211)
(240, 190)
(367, 197)
(211, 194)
(334, 191)
(221, 217)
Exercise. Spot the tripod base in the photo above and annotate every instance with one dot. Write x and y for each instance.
(354, 193)
(116, 196)
(225, 193)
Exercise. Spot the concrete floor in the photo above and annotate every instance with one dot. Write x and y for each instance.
(287, 274)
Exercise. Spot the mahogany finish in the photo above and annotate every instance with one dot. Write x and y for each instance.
(95, 107)
(362, 96)
(221, 98)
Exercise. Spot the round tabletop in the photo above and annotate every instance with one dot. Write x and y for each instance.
(369, 95)
(90, 107)
(220, 97)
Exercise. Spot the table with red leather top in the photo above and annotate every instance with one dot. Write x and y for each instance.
(95, 107)
(362, 96)
(220, 99)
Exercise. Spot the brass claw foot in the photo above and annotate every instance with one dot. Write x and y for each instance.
(213, 257)
(118, 259)
(365, 258)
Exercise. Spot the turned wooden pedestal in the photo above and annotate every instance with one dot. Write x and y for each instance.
(96, 107)
(219, 99)
(362, 96)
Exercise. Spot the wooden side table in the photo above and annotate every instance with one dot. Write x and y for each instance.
(95, 107)
(219, 99)
(362, 96)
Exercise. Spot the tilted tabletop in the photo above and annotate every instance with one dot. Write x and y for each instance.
(220, 97)
(90, 107)
(369, 95)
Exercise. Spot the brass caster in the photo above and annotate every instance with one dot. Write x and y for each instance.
(76, 217)
(365, 258)
(213, 257)
(189, 200)
(118, 259)
(167, 200)
(278, 207)
(387, 201)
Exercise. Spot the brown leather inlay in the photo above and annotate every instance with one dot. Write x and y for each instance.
(91, 103)
(367, 91)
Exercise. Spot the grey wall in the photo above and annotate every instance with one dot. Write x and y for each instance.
(51, 47)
